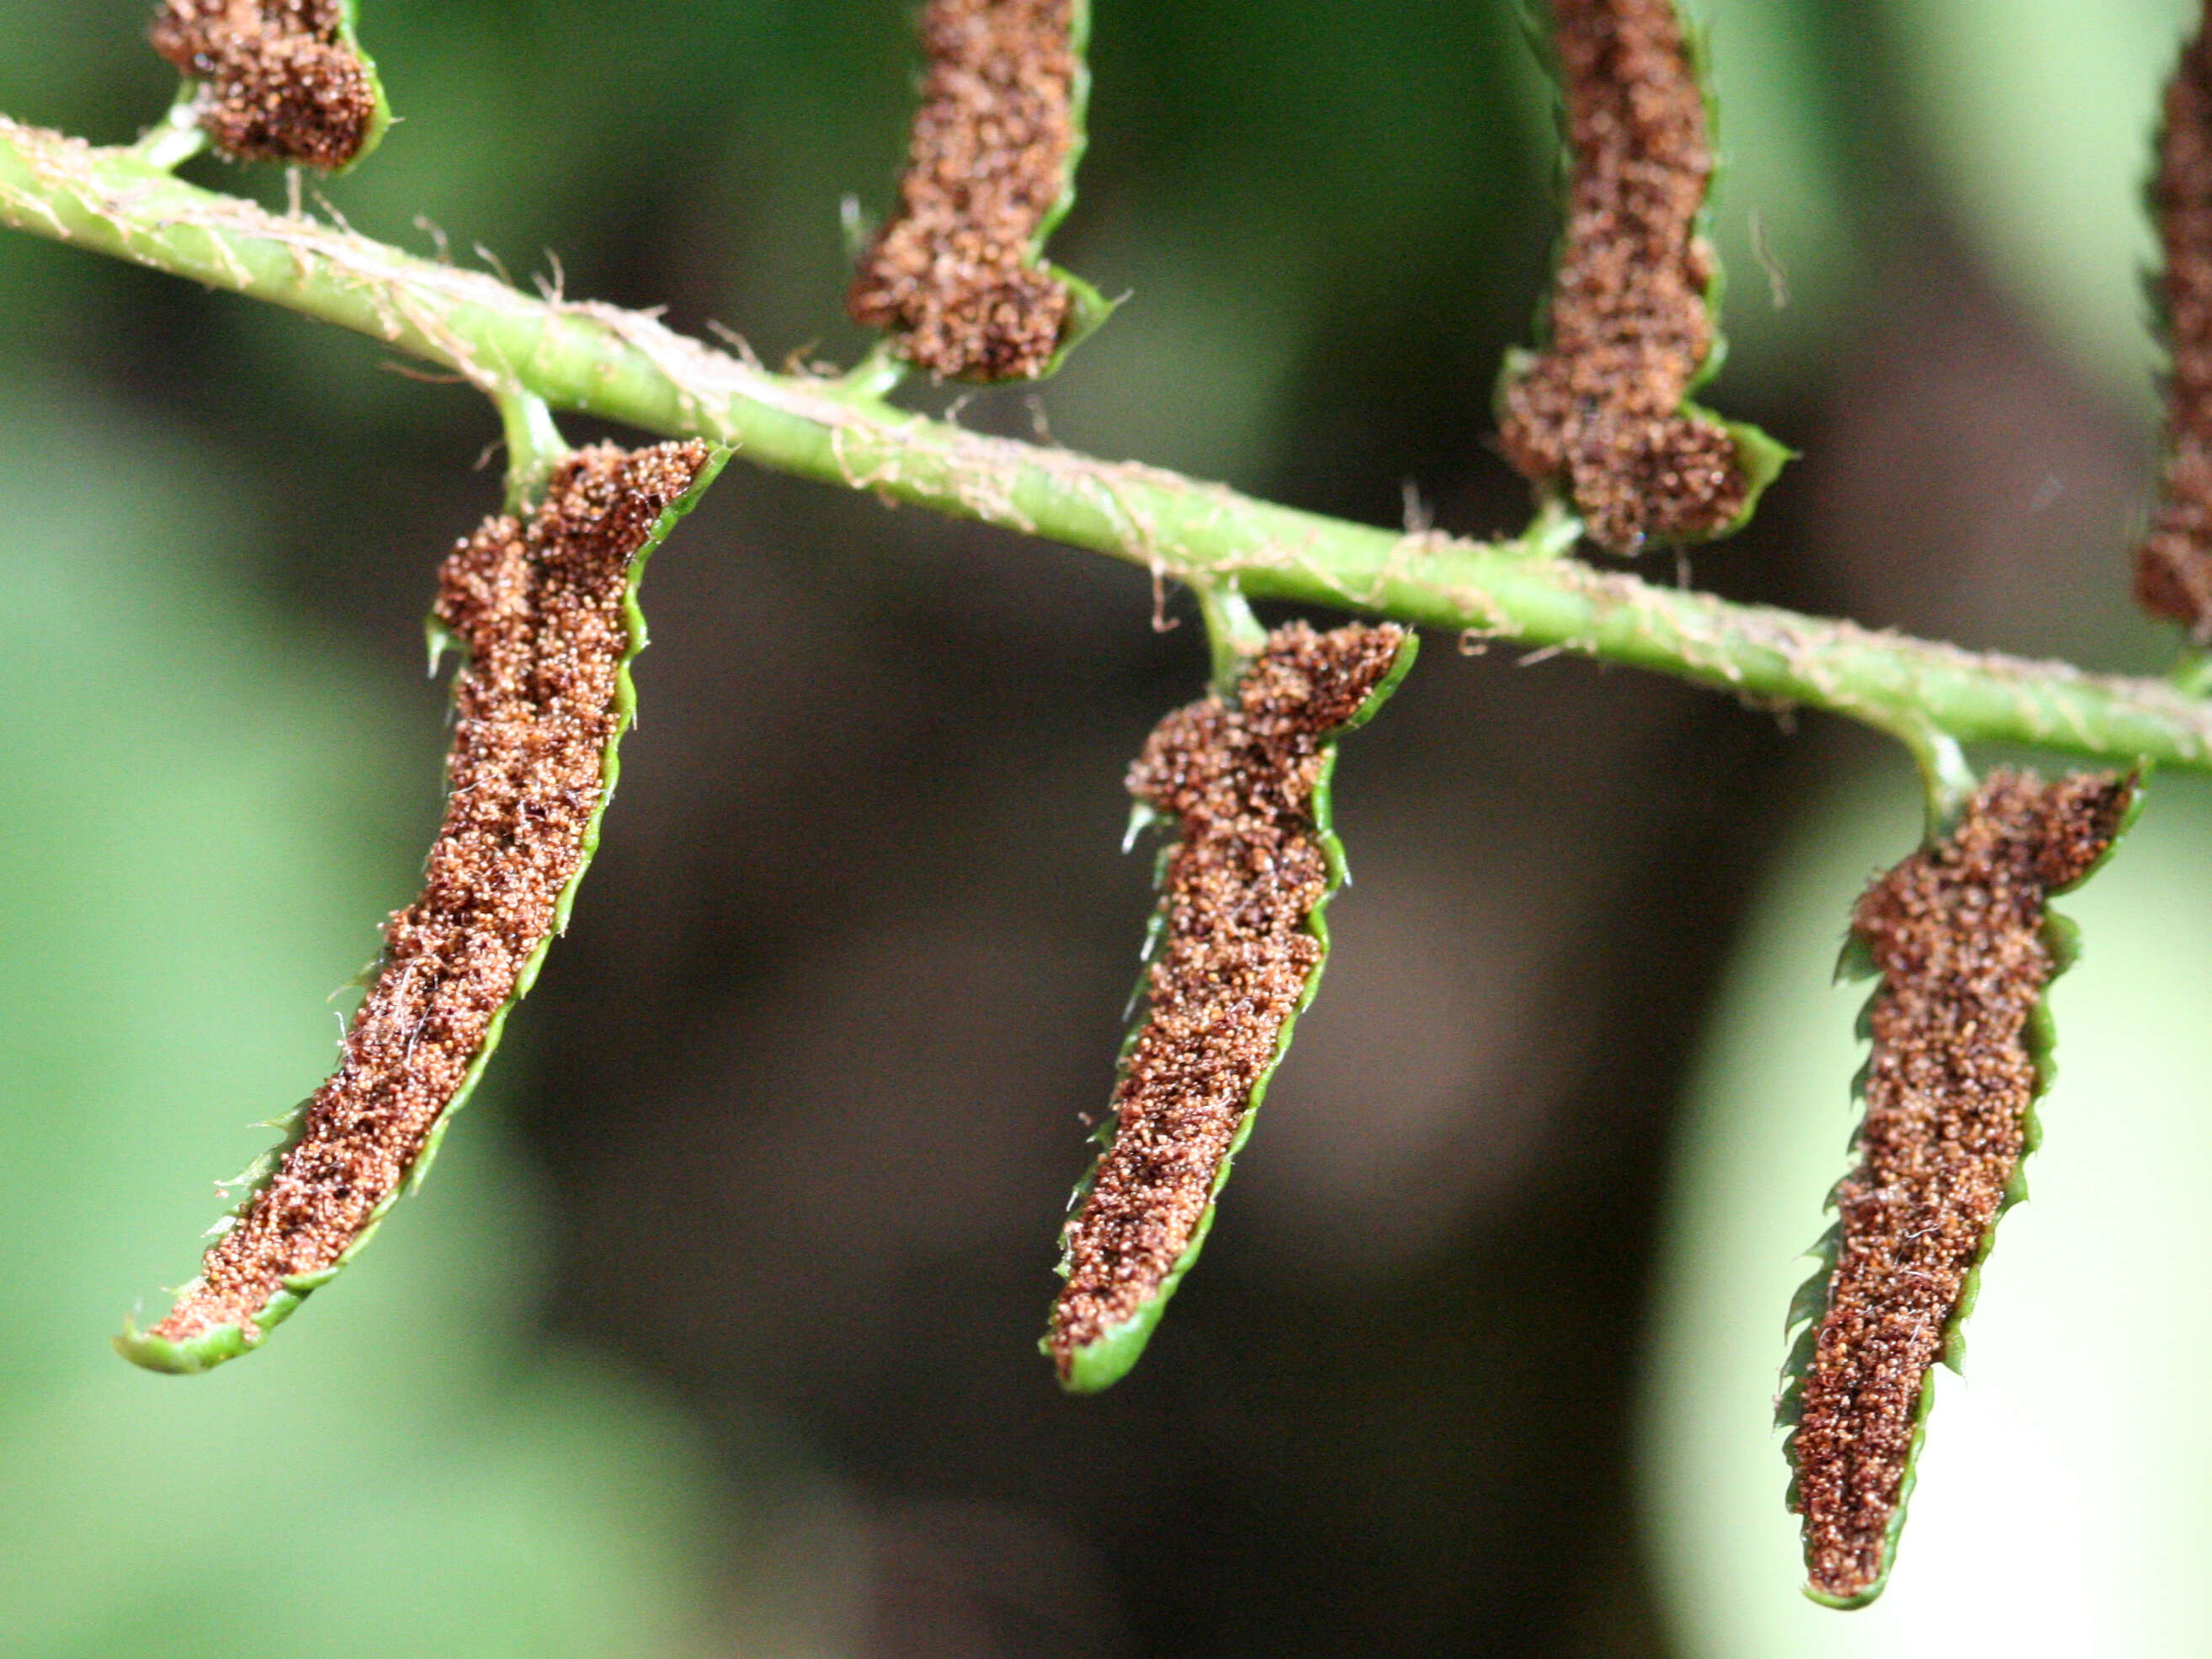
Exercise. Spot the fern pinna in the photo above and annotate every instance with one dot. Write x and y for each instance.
(545, 609)
(1233, 956)
(1603, 412)
(957, 274)
(1965, 949)
(276, 80)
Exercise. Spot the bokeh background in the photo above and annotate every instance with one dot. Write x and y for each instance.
(713, 1333)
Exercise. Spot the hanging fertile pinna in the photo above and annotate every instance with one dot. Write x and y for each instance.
(958, 276)
(1966, 948)
(1234, 955)
(2173, 565)
(276, 79)
(545, 607)
(1602, 411)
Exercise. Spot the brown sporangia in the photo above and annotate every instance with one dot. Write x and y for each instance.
(1235, 956)
(952, 275)
(541, 608)
(1956, 932)
(2174, 566)
(1601, 405)
(279, 83)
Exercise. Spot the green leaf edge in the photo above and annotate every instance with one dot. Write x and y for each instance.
(1098, 1365)
(1088, 309)
(1079, 121)
(1808, 1307)
(349, 37)
(1760, 456)
(224, 1342)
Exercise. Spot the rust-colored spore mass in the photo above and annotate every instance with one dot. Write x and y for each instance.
(2174, 566)
(952, 274)
(541, 608)
(1955, 930)
(280, 85)
(1601, 405)
(1242, 881)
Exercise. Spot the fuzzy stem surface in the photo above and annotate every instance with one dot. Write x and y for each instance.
(627, 367)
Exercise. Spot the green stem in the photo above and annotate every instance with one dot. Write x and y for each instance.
(625, 367)
(1947, 780)
(534, 446)
(2193, 672)
(1232, 633)
(874, 379)
(178, 135)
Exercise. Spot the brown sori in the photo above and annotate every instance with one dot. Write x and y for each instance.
(1602, 406)
(1233, 962)
(282, 81)
(2174, 566)
(953, 274)
(542, 608)
(1958, 935)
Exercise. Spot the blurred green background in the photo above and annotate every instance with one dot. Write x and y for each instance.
(713, 1333)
